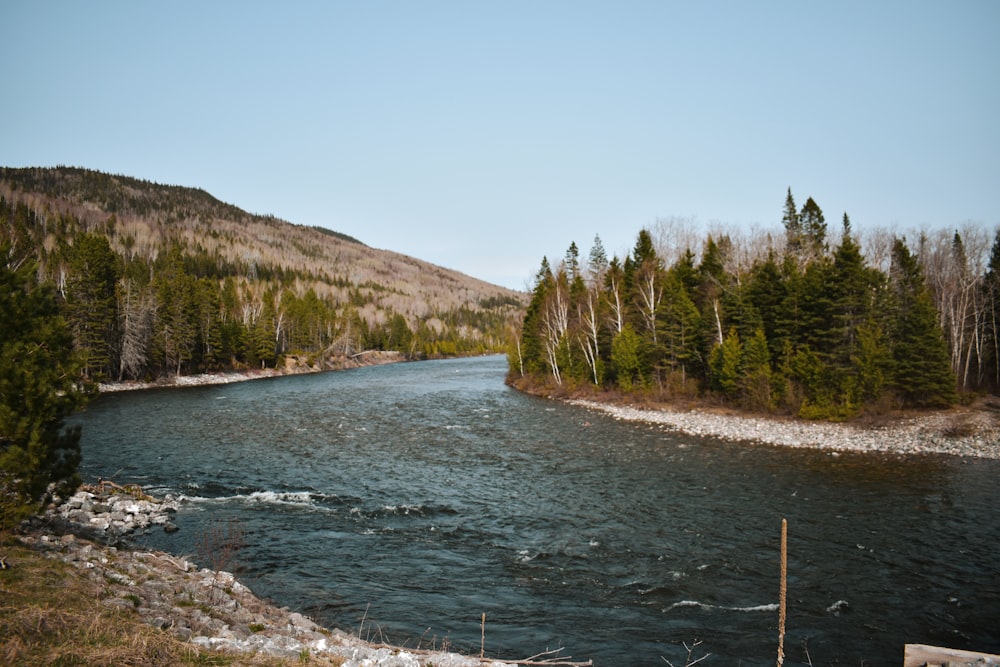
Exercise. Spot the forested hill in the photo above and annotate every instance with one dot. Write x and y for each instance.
(157, 279)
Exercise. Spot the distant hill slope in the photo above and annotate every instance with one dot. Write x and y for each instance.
(258, 265)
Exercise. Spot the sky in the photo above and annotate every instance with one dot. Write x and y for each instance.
(482, 135)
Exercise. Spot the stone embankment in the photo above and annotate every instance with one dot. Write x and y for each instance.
(208, 608)
(965, 432)
(106, 511)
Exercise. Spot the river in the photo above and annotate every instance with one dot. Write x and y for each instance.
(405, 501)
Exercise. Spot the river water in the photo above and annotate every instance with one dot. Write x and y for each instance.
(402, 502)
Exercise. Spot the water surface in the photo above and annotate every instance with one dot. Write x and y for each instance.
(416, 497)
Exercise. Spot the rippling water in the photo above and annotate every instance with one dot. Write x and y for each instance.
(413, 498)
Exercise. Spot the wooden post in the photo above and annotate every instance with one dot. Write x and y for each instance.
(782, 592)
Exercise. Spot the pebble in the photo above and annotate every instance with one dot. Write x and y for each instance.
(208, 608)
(968, 433)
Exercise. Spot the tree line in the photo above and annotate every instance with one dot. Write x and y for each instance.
(790, 323)
(174, 307)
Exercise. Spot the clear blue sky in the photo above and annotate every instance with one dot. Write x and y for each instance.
(483, 135)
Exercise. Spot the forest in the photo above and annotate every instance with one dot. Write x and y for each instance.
(791, 322)
(158, 280)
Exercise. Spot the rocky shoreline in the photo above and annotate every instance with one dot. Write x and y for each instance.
(208, 608)
(967, 432)
(293, 365)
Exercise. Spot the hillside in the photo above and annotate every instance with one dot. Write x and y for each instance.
(247, 289)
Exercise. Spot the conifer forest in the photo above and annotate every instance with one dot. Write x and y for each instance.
(803, 321)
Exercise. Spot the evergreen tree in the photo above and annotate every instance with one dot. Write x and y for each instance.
(815, 311)
(597, 262)
(793, 228)
(39, 388)
(766, 290)
(90, 306)
(532, 346)
(644, 249)
(708, 296)
(400, 336)
(572, 262)
(725, 364)
(813, 227)
(991, 319)
(626, 359)
(852, 288)
(679, 323)
(755, 373)
(922, 373)
(176, 321)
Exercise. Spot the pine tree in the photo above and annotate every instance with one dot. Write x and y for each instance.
(39, 388)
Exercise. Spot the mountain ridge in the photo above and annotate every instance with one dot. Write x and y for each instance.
(351, 290)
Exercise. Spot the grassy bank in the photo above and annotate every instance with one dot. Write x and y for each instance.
(52, 614)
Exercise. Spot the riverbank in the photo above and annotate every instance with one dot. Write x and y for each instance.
(292, 365)
(208, 611)
(968, 431)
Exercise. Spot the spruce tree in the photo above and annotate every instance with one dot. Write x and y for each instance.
(991, 300)
(921, 373)
(766, 290)
(597, 262)
(852, 288)
(532, 353)
(755, 373)
(793, 228)
(90, 305)
(813, 227)
(679, 323)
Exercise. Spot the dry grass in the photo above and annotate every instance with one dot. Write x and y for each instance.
(52, 615)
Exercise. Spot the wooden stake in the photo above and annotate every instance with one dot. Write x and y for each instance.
(482, 641)
(782, 592)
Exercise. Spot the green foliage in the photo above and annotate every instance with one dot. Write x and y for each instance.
(813, 332)
(625, 358)
(90, 306)
(991, 315)
(756, 374)
(725, 364)
(39, 375)
(922, 374)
